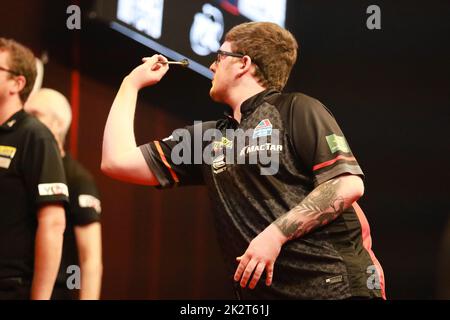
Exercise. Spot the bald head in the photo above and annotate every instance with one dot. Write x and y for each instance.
(52, 109)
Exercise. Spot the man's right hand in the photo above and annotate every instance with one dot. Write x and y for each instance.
(148, 73)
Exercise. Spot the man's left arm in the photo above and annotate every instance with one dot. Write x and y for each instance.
(85, 211)
(89, 244)
(324, 204)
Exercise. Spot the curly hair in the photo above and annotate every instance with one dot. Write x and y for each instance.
(272, 48)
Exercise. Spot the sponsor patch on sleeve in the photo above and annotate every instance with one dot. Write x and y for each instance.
(53, 189)
(337, 143)
(88, 201)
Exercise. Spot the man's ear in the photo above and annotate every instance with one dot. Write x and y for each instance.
(60, 126)
(245, 65)
(19, 84)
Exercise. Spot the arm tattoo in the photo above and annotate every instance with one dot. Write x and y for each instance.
(320, 207)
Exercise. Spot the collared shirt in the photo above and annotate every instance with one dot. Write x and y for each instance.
(284, 146)
(31, 174)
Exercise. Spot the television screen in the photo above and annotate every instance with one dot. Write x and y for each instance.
(179, 29)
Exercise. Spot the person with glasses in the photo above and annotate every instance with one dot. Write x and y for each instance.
(33, 188)
(292, 220)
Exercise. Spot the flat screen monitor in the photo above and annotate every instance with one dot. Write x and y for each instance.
(181, 29)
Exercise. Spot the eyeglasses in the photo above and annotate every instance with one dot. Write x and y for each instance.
(226, 53)
(231, 54)
(10, 71)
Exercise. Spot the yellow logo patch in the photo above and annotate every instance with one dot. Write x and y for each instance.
(224, 143)
(6, 155)
(7, 152)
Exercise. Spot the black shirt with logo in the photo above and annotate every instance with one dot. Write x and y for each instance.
(84, 209)
(259, 169)
(31, 175)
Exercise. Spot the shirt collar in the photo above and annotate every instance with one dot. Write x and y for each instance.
(228, 122)
(11, 123)
(249, 105)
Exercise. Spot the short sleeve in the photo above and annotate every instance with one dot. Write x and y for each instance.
(85, 205)
(319, 142)
(177, 160)
(44, 172)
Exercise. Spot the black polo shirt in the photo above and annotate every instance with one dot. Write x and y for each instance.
(31, 175)
(291, 144)
(84, 209)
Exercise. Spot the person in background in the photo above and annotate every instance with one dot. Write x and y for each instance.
(82, 238)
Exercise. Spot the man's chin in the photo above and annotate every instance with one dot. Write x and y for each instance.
(213, 95)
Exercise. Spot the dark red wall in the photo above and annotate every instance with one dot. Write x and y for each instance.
(157, 245)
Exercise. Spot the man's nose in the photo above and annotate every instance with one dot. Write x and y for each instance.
(212, 67)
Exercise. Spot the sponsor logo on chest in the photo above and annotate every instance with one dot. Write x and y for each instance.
(7, 153)
(219, 164)
(223, 143)
(258, 146)
(263, 129)
(262, 147)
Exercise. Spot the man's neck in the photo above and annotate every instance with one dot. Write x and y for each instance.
(8, 109)
(239, 97)
(61, 147)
